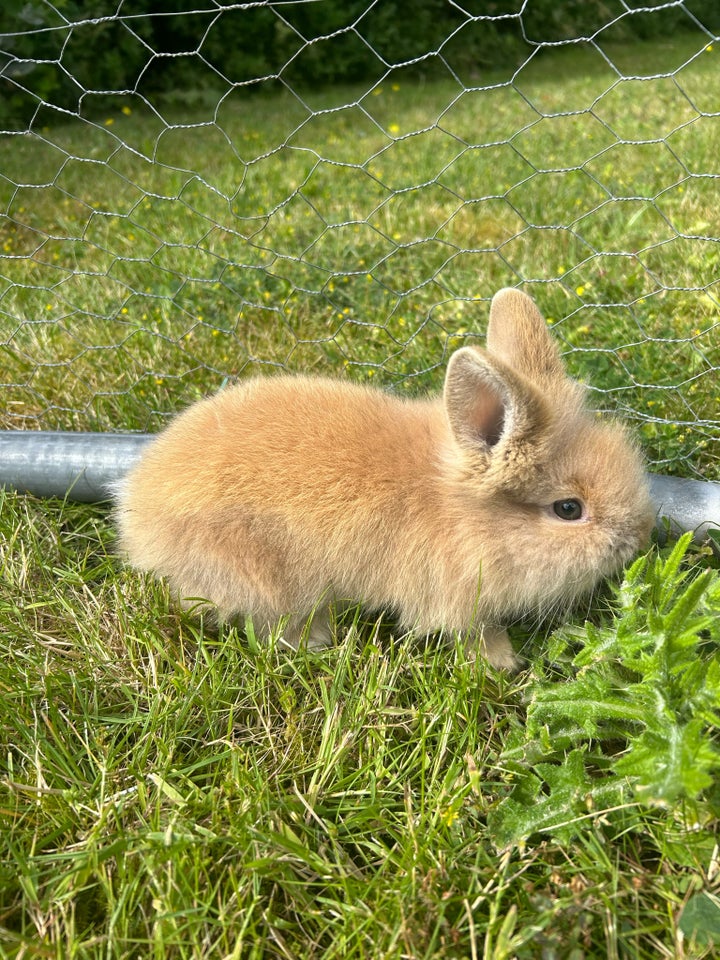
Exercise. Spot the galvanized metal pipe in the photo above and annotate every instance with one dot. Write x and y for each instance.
(79, 466)
(686, 504)
(83, 466)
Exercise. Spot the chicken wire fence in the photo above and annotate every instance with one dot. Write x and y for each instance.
(215, 213)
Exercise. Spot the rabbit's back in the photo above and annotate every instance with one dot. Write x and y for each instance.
(274, 440)
(288, 487)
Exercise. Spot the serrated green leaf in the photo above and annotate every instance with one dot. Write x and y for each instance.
(641, 679)
(700, 919)
(586, 701)
(678, 763)
(668, 574)
(675, 622)
(558, 814)
(599, 645)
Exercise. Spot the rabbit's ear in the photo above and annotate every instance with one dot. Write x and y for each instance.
(487, 402)
(518, 334)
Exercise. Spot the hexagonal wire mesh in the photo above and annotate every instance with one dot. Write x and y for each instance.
(213, 211)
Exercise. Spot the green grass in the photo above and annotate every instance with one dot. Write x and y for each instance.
(168, 791)
(146, 261)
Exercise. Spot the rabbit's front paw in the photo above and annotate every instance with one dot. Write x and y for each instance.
(493, 643)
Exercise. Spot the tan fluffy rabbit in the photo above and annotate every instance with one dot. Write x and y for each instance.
(502, 498)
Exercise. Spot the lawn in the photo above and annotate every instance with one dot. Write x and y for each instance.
(146, 261)
(172, 791)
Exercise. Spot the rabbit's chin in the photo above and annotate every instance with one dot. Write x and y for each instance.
(540, 604)
(555, 586)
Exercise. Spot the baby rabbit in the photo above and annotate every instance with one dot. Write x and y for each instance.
(502, 498)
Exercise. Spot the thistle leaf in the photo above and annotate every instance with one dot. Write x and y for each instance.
(641, 713)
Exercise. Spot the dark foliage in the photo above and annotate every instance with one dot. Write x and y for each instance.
(59, 58)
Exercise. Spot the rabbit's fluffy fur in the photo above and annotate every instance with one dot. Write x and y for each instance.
(282, 495)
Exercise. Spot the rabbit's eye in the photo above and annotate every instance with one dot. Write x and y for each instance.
(568, 509)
